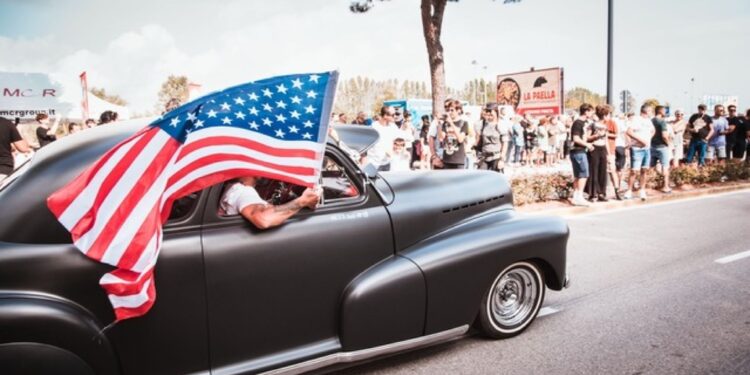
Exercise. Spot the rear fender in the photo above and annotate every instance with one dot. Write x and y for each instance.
(52, 328)
(460, 263)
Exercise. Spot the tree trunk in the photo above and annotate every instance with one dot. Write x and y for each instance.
(432, 21)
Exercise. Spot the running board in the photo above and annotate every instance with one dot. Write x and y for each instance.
(359, 355)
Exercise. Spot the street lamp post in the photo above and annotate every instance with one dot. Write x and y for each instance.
(610, 97)
(473, 82)
(692, 92)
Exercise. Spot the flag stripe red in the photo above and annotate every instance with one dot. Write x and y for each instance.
(154, 169)
(131, 312)
(60, 200)
(211, 159)
(88, 219)
(150, 226)
(248, 143)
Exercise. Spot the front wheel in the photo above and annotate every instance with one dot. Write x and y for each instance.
(512, 300)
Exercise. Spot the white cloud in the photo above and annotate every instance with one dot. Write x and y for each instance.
(218, 46)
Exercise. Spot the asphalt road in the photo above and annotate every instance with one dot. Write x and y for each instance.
(647, 297)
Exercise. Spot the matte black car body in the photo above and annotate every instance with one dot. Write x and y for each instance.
(406, 261)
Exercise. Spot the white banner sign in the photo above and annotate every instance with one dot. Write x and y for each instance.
(25, 95)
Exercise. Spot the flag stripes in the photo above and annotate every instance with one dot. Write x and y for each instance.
(116, 208)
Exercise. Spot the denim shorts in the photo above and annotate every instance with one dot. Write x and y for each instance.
(661, 155)
(639, 158)
(580, 164)
(714, 152)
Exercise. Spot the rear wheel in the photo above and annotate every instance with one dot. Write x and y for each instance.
(512, 300)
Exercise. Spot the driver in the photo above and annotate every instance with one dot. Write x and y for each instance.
(242, 198)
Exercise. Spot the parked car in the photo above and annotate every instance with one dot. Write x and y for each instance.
(388, 262)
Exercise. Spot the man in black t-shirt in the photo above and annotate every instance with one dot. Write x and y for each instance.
(736, 140)
(9, 138)
(699, 126)
(578, 157)
(452, 133)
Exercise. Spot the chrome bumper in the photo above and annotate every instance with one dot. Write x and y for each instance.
(566, 283)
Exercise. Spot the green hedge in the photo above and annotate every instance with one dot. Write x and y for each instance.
(559, 186)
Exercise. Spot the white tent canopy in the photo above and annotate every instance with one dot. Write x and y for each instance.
(96, 107)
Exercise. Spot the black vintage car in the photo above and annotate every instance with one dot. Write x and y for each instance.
(387, 263)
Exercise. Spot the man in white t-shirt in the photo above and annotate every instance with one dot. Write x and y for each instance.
(242, 198)
(380, 154)
(640, 131)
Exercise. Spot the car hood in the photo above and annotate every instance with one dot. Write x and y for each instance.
(426, 203)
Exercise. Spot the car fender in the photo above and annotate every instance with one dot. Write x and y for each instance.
(384, 304)
(46, 327)
(460, 263)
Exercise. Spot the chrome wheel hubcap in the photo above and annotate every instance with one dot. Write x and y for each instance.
(514, 297)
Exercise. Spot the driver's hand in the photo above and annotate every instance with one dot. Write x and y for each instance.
(309, 198)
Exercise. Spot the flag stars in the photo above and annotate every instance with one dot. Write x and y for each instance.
(314, 78)
(174, 121)
(280, 118)
(308, 124)
(267, 92)
(311, 94)
(191, 116)
(239, 101)
(294, 114)
(297, 84)
(267, 107)
(281, 88)
(253, 111)
(307, 136)
(226, 121)
(254, 125)
(225, 106)
(296, 99)
(199, 124)
(281, 104)
(240, 115)
(293, 129)
(211, 113)
(309, 109)
(267, 121)
(280, 133)
(253, 96)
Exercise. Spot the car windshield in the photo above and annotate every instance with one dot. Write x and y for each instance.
(16, 173)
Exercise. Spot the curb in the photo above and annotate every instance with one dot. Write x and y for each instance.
(614, 204)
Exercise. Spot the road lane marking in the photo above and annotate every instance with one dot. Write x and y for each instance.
(732, 258)
(547, 311)
(646, 205)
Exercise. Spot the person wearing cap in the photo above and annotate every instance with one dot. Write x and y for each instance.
(701, 128)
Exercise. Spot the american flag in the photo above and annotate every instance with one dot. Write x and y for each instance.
(114, 210)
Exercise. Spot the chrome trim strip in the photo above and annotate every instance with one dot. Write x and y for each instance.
(358, 355)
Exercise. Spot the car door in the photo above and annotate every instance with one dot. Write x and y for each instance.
(274, 295)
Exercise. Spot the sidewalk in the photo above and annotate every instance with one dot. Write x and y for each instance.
(564, 208)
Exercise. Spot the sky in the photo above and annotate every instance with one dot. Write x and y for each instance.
(130, 47)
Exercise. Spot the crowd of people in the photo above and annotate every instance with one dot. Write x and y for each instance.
(600, 145)
(18, 142)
